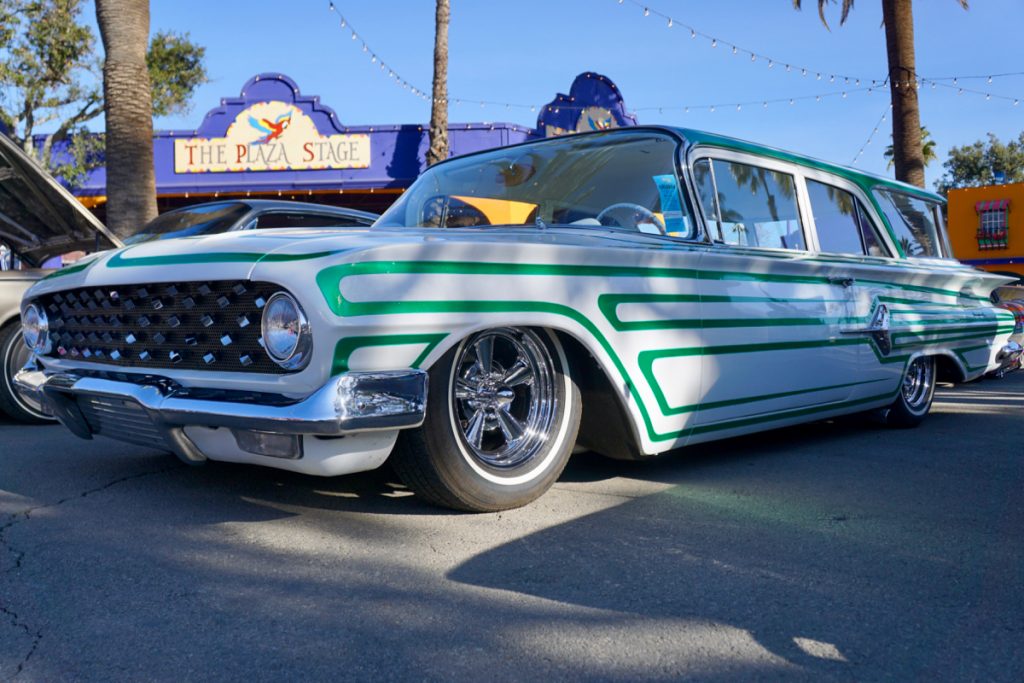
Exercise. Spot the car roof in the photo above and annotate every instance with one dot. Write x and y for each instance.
(692, 138)
(862, 178)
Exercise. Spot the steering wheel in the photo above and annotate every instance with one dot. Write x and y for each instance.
(629, 215)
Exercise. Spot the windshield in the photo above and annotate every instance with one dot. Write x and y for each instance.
(617, 180)
(203, 219)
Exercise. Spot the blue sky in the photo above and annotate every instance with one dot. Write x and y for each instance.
(526, 51)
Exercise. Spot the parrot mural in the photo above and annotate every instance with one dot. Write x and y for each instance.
(271, 129)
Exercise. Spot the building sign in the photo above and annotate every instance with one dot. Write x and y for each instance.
(271, 136)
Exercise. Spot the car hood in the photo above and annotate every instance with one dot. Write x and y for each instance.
(39, 218)
(251, 254)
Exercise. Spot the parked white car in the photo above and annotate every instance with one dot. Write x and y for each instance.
(630, 291)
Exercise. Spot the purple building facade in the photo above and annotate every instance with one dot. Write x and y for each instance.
(274, 141)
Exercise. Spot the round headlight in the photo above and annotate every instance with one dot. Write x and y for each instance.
(35, 329)
(286, 334)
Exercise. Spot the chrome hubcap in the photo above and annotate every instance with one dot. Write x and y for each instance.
(16, 359)
(917, 383)
(503, 396)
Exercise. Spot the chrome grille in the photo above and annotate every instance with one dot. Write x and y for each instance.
(120, 419)
(213, 325)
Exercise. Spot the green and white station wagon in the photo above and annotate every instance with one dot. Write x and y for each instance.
(628, 292)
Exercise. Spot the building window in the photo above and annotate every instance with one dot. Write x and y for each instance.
(993, 224)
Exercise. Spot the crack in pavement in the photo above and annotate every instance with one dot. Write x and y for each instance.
(19, 555)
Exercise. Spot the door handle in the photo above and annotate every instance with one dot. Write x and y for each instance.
(841, 281)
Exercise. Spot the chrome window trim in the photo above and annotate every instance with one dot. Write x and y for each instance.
(829, 179)
(702, 151)
(701, 234)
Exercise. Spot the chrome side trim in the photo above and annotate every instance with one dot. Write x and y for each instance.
(878, 328)
(348, 403)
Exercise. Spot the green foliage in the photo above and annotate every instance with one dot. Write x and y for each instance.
(927, 148)
(976, 164)
(47, 69)
(51, 77)
(175, 70)
(84, 152)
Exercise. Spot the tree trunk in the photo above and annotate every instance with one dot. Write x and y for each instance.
(439, 108)
(131, 180)
(908, 157)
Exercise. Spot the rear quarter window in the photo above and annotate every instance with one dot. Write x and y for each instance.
(914, 221)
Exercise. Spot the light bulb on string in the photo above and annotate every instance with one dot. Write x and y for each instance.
(670, 22)
(647, 12)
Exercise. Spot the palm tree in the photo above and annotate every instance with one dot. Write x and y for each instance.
(131, 180)
(927, 149)
(897, 15)
(439, 108)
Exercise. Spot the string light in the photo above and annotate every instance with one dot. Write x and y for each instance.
(713, 41)
(738, 106)
(694, 33)
(960, 90)
(874, 131)
(988, 77)
(397, 78)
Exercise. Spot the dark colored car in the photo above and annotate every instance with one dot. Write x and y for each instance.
(249, 214)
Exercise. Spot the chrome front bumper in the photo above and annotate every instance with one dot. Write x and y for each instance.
(148, 408)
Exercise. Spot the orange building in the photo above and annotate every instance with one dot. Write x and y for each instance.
(986, 227)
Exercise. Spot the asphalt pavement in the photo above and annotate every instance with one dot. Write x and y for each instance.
(832, 551)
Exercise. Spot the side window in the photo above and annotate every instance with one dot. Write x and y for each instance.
(749, 205)
(842, 223)
(914, 222)
(301, 220)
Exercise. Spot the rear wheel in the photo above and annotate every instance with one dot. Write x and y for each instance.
(916, 393)
(13, 356)
(502, 417)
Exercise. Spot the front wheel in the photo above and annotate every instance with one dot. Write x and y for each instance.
(502, 417)
(916, 393)
(13, 356)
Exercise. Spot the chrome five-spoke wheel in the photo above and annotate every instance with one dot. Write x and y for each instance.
(504, 397)
(502, 417)
(918, 383)
(915, 395)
